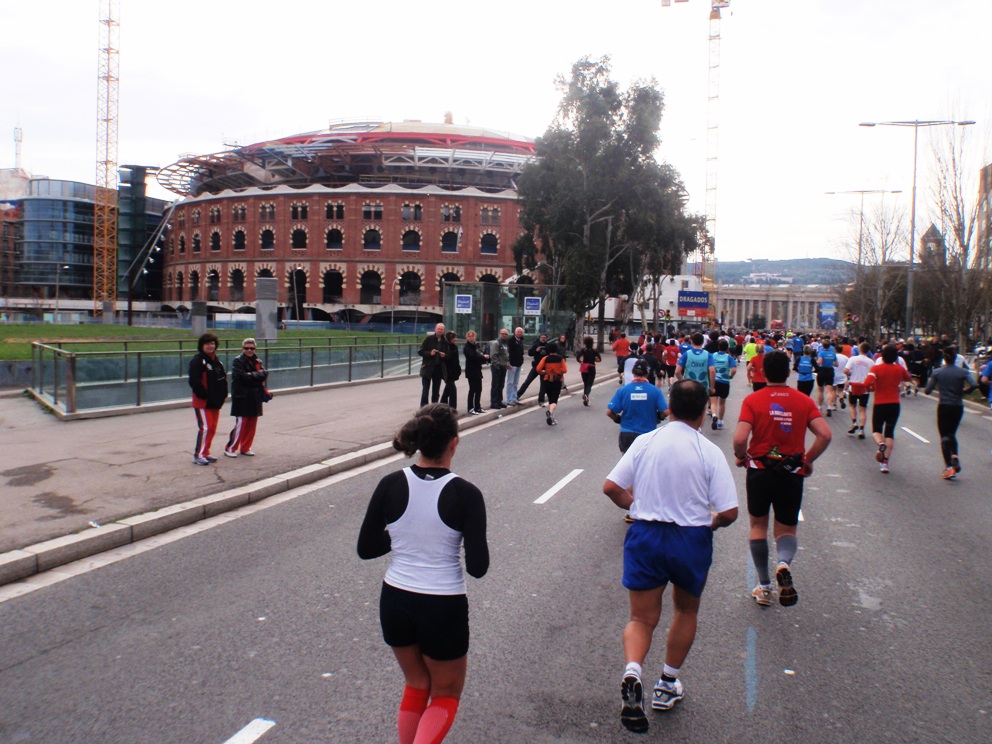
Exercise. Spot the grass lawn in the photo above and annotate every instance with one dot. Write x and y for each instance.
(15, 340)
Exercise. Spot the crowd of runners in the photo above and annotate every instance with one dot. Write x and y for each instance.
(425, 516)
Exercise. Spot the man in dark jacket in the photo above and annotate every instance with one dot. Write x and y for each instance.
(208, 381)
(247, 393)
(516, 344)
(432, 370)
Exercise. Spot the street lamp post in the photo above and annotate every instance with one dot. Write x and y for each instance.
(915, 124)
(58, 272)
(296, 298)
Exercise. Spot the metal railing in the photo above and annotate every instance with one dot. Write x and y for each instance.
(77, 381)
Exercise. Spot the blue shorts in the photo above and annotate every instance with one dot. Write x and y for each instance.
(655, 553)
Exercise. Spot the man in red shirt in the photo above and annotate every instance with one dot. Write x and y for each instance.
(775, 419)
(621, 347)
(886, 379)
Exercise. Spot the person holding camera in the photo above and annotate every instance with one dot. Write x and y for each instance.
(770, 441)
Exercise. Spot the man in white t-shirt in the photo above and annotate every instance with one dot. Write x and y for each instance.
(671, 539)
(856, 369)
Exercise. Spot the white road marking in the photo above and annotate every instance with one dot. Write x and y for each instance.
(252, 732)
(914, 434)
(557, 487)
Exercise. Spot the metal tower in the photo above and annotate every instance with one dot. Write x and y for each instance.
(105, 209)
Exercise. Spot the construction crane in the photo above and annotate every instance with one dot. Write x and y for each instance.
(707, 254)
(18, 139)
(105, 208)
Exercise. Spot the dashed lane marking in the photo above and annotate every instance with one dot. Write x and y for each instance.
(544, 497)
(252, 732)
(914, 434)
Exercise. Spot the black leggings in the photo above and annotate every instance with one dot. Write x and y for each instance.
(883, 419)
(948, 418)
(474, 393)
(805, 386)
(588, 378)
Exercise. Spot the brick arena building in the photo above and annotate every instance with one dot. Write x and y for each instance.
(356, 221)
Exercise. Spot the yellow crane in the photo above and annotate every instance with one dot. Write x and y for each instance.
(707, 254)
(105, 208)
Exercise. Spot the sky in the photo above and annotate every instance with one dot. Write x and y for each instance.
(796, 78)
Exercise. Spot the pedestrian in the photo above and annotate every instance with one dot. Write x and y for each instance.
(857, 369)
(587, 358)
(770, 441)
(552, 369)
(516, 351)
(678, 488)
(536, 352)
(248, 395)
(452, 371)
(432, 369)
(208, 381)
(424, 515)
(474, 359)
(725, 367)
(499, 362)
(952, 382)
(886, 378)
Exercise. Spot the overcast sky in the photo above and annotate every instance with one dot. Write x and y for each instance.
(796, 79)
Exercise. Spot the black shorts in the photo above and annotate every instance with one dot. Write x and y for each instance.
(768, 489)
(670, 370)
(437, 623)
(722, 390)
(883, 419)
(858, 400)
(805, 386)
(825, 377)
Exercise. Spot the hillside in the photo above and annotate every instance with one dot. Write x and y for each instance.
(801, 270)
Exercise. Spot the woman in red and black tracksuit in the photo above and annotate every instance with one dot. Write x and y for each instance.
(208, 380)
(247, 395)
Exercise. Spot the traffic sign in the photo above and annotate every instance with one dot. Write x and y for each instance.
(856, 318)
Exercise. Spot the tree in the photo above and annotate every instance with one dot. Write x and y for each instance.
(596, 194)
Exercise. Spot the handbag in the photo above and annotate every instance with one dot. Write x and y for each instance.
(266, 395)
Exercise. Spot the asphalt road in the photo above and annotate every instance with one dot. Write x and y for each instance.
(270, 615)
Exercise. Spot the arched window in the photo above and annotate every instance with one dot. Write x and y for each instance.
(489, 244)
(267, 273)
(297, 291)
(335, 240)
(445, 279)
(299, 238)
(333, 287)
(371, 288)
(182, 243)
(213, 286)
(194, 285)
(237, 285)
(196, 242)
(449, 242)
(267, 240)
(239, 240)
(409, 286)
(489, 279)
(411, 240)
(372, 240)
(179, 287)
(215, 241)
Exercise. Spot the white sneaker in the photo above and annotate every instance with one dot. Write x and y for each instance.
(230, 454)
(248, 453)
(666, 694)
(763, 595)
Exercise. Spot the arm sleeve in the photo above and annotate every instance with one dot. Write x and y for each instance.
(462, 508)
(373, 539)
(196, 377)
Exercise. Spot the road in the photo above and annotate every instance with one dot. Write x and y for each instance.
(269, 614)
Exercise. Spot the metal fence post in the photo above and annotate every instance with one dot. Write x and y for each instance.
(313, 350)
(382, 362)
(55, 382)
(70, 384)
(138, 381)
(351, 355)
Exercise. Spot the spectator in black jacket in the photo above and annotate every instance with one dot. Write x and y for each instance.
(248, 391)
(432, 352)
(452, 371)
(208, 380)
(474, 359)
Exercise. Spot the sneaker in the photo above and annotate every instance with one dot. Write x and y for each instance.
(843, 403)
(948, 474)
(632, 711)
(763, 595)
(210, 458)
(201, 461)
(228, 453)
(880, 455)
(482, 410)
(829, 412)
(541, 403)
(247, 453)
(628, 519)
(554, 421)
(550, 418)
(585, 399)
(955, 463)
(884, 467)
(861, 432)
(787, 594)
(713, 424)
(473, 412)
(719, 423)
(666, 694)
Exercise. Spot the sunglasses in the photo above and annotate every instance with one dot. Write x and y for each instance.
(248, 348)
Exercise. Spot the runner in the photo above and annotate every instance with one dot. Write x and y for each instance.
(826, 361)
(775, 419)
(424, 515)
(726, 367)
(952, 382)
(840, 379)
(886, 378)
(756, 369)
(805, 367)
(857, 369)
(552, 369)
(588, 358)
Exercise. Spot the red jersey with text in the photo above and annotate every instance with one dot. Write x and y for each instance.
(778, 416)
(887, 378)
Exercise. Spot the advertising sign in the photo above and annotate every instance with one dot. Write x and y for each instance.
(463, 304)
(532, 305)
(828, 315)
(693, 304)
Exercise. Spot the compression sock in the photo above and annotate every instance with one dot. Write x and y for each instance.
(786, 547)
(759, 556)
(437, 720)
(412, 707)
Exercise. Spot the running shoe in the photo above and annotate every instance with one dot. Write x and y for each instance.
(713, 424)
(585, 399)
(210, 458)
(853, 429)
(955, 463)
(763, 595)
(628, 519)
(473, 412)
(787, 594)
(201, 461)
(247, 453)
(632, 710)
(861, 432)
(948, 474)
(829, 412)
(550, 418)
(554, 421)
(880, 455)
(719, 423)
(884, 467)
(843, 403)
(228, 453)
(541, 403)
(666, 694)
(482, 410)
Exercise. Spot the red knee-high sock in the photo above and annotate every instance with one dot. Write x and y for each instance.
(436, 721)
(412, 707)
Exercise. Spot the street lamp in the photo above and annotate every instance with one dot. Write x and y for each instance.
(915, 124)
(296, 298)
(58, 271)
(861, 225)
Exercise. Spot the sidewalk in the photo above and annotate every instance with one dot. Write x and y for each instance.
(60, 478)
